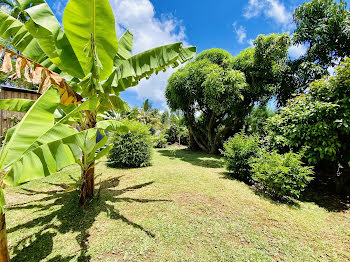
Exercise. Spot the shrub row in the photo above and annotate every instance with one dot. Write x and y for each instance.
(280, 175)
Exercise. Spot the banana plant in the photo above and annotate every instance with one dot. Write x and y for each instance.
(87, 53)
(40, 145)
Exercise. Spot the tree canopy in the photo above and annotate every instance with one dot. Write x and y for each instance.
(221, 89)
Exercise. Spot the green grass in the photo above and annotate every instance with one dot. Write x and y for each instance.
(183, 208)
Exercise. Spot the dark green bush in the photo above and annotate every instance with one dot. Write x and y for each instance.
(237, 151)
(131, 149)
(282, 176)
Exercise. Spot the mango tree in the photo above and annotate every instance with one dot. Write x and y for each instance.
(88, 55)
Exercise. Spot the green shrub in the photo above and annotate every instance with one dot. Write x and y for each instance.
(237, 151)
(160, 140)
(131, 149)
(282, 176)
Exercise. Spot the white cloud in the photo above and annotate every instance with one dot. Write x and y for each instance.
(272, 9)
(254, 8)
(241, 32)
(58, 8)
(139, 17)
(5, 8)
(296, 51)
(251, 42)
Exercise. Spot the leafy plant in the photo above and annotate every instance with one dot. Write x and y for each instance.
(39, 146)
(282, 176)
(318, 124)
(132, 148)
(237, 152)
(87, 53)
(160, 140)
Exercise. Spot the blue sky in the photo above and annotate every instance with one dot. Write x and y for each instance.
(227, 24)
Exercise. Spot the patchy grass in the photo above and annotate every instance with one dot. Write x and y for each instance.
(183, 208)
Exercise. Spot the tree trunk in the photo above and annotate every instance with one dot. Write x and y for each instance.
(4, 253)
(87, 186)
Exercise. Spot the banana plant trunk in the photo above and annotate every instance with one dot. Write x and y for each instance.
(87, 186)
(88, 174)
(4, 252)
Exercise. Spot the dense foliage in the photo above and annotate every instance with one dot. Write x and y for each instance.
(281, 176)
(160, 140)
(255, 122)
(132, 148)
(317, 123)
(323, 25)
(237, 151)
(222, 89)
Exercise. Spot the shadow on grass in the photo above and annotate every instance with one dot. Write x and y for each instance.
(322, 198)
(259, 192)
(327, 200)
(194, 158)
(67, 217)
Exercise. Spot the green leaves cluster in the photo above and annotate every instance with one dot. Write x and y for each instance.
(323, 25)
(132, 148)
(317, 123)
(223, 89)
(282, 176)
(237, 152)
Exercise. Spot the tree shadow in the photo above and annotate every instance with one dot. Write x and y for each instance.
(70, 218)
(194, 158)
(326, 199)
(320, 196)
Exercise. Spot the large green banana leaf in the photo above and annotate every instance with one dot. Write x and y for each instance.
(40, 147)
(38, 120)
(87, 19)
(111, 125)
(51, 157)
(13, 30)
(44, 26)
(125, 45)
(143, 65)
(16, 105)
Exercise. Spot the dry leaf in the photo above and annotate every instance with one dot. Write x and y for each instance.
(27, 70)
(36, 75)
(7, 63)
(18, 67)
(45, 81)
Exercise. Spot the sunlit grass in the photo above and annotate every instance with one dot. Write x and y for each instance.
(183, 208)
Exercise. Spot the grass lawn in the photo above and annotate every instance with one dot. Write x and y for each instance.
(183, 208)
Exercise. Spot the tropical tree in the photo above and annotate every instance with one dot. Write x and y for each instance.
(88, 54)
(323, 26)
(217, 91)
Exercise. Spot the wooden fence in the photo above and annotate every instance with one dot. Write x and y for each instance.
(8, 118)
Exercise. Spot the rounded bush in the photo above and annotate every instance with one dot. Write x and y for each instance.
(237, 151)
(282, 176)
(131, 149)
